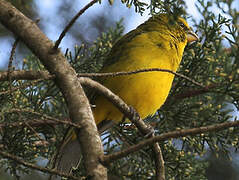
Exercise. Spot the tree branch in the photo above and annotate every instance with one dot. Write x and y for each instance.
(72, 22)
(113, 74)
(159, 162)
(145, 130)
(66, 79)
(119, 103)
(31, 75)
(26, 75)
(173, 134)
(194, 92)
(37, 122)
(10, 69)
(33, 166)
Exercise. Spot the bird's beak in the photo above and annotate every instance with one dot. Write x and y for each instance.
(191, 36)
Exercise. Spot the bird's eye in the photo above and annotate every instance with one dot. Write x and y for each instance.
(182, 25)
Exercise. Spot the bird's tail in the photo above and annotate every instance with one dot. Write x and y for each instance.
(68, 155)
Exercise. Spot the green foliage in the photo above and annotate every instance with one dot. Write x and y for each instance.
(169, 6)
(91, 59)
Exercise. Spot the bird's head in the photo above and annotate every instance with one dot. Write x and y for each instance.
(191, 36)
(178, 29)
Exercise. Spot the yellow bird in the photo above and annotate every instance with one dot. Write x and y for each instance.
(157, 43)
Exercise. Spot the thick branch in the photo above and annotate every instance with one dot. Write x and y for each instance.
(116, 101)
(119, 103)
(67, 81)
(139, 123)
(159, 162)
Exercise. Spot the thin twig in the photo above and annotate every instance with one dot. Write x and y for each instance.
(11, 58)
(10, 68)
(33, 166)
(22, 86)
(194, 92)
(33, 130)
(72, 22)
(41, 140)
(32, 75)
(113, 74)
(36, 122)
(165, 136)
